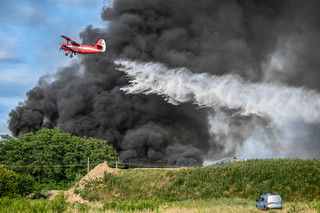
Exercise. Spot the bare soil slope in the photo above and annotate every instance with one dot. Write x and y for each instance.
(96, 173)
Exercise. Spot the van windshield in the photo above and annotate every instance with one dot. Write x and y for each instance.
(274, 198)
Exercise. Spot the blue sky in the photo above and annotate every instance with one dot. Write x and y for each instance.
(30, 38)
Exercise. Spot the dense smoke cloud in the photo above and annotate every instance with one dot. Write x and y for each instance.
(261, 41)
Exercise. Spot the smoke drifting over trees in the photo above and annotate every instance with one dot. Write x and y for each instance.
(261, 41)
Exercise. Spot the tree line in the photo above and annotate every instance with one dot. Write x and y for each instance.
(50, 156)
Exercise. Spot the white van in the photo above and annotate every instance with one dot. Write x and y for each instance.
(269, 201)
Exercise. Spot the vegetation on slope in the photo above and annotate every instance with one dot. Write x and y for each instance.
(294, 179)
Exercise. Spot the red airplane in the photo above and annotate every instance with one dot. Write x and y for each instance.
(75, 48)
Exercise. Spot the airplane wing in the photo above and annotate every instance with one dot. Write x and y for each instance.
(68, 39)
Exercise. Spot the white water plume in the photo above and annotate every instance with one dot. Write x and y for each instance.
(228, 91)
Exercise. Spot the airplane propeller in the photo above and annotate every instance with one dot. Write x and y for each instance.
(60, 47)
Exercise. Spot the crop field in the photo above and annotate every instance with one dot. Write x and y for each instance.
(294, 179)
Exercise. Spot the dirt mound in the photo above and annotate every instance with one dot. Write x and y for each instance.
(96, 173)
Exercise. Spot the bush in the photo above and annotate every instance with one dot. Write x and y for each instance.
(8, 184)
(26, 184)
(52, 185)
(59, 203)
(13, 184)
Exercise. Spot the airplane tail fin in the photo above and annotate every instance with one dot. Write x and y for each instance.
(101, 44)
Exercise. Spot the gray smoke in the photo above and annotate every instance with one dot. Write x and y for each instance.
(273, 102)
(261, 41)
(278, 101)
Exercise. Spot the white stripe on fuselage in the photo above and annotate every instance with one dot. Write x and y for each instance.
(83, 48)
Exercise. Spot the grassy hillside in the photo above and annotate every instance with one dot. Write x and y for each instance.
(294, 179)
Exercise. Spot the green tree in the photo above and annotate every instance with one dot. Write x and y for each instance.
(52, 155)
(13, 184)
(8, 185)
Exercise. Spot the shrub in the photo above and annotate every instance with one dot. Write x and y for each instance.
(59, 204)
(13, 184)
(26, 184)
(8, 184)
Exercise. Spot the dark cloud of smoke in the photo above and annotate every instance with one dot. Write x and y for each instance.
(220, 36)
(212, 36)
(154, 144)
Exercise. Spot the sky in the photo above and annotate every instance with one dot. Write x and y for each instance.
(30, 41)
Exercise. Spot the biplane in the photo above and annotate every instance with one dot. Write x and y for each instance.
(73, 47)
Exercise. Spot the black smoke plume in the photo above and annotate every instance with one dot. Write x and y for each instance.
(262, 41)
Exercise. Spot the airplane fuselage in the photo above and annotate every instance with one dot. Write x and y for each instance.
(81, 48)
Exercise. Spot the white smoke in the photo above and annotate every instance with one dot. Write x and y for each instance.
(179, 85)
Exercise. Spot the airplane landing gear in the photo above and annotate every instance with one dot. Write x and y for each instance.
(66, 54)
(71, 56)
